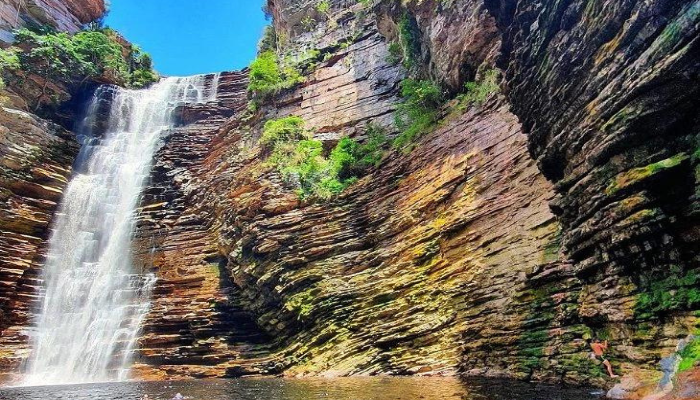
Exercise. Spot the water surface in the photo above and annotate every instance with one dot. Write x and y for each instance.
(384, 388)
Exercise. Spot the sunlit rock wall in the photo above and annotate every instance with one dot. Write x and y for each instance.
(64, 15)
(461, 255)
(35, 165)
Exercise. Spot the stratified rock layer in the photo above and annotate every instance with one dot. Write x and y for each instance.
(64, 15)
(495, 247)
(35, 165)
(196, 327)
(389, 277)
(450, 257)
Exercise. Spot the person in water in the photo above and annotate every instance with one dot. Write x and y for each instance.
(598, 353)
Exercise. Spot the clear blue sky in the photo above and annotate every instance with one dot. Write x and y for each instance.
(187, 37)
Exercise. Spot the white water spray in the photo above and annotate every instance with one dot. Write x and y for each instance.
(94, 300)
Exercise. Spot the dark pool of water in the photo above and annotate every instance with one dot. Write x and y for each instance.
(306, 389)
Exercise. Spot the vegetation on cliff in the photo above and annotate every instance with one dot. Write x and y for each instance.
(305, 165)
(677, 291)
(269, 74)
(99, 55)
(418, 113)
(690, 355)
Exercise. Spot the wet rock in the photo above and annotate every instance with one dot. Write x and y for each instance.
(35, 166)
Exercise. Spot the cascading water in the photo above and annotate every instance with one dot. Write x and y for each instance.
(94, 300)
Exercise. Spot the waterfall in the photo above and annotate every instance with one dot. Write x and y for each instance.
(94, 300)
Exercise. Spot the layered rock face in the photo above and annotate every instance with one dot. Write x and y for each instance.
(560, 209)
(196, 327)
(387, 278)
(64, 15)
(460, 255)
(607, 92)
(36, 158)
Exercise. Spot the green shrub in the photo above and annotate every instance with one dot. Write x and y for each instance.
(142, 78)
(264, 73)
(268, 41)
(395, 54)
(689, 355)
(102, 54)
(323, 6)
(87, 54)
(268, 74)
(353, 159)
(9, 58)
(409, 40)
(302, 163)
(143, 74)
(478, 92)
(418, 113)
(8, 61)
(52, 55)
(285, 129)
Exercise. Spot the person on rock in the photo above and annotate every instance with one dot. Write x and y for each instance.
(598, 353)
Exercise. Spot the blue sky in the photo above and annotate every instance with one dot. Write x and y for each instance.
(187, 37)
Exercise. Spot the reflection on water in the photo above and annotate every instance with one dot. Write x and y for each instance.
(305, 389)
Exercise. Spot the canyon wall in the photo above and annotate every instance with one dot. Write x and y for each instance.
(36, 164)
(492, 248)
(560, 209)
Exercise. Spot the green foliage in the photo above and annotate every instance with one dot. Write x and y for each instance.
(677, 291)
(265, 73)
(477, 92)
(102, 54)
(143, 74)
(409, 40)
(301, 160)
(690, 355)
(268, 41)
(283, 130)
(269, 74)
(418, 113)
(324, 6)
(87, 54)
(301, 303)
(302, 163)
(142, 78)
(9, 58)
(352, 159)
(395, 54)
(8, 61)
(52, 55)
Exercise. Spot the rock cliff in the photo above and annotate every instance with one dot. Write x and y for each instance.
(511, 234)
(36, 156)
(559, 209)
(64, 15)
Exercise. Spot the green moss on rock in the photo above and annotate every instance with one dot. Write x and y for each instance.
(636, 175)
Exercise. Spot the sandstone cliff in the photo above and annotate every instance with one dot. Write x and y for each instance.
(561, 208)
(461, 255)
